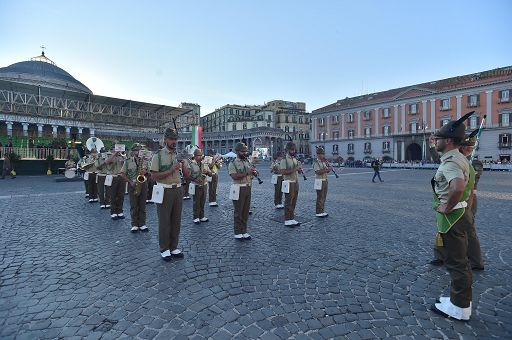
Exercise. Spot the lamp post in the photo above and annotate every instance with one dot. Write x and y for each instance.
(424, 155)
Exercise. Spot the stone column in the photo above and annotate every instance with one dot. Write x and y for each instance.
(25, 129)
(9, 128)
(376, 112)
(395, 119)
(91, 132)
(54, 132)
(488, 120)
(358, 123)
(424, 113)
(80, 132)
(342, 126)
(433, 115)
(403, 151)
(68, 131)
(402, 122)
(39, 130)
(459, 106)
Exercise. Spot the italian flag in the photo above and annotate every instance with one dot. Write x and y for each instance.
(197, 135)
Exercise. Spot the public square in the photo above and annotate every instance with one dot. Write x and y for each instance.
(68, 270)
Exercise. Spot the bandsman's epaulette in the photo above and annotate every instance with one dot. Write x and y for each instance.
(448, 158)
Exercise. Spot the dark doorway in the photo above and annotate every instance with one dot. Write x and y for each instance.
(413, 152)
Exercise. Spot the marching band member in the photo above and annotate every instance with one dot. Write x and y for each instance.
(103, 190)
(289, 168)
(198, 171)
(212, 186)
(117, 189)
(83, 161)
(241, 172)
(137, 188)
(165, 169)
(321, 168)
(70, 164)
(91, 181)
(276, 171)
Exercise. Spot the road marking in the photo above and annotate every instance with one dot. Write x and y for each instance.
(40, 195)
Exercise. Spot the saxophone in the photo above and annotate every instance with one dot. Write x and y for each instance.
(141, 179)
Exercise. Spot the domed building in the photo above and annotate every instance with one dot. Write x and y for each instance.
(40, 99)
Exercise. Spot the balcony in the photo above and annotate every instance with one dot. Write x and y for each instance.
(386, 151)
(367, 151)
(504, 145)
(350, 152)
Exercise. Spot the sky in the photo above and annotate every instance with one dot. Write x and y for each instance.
(218, 52)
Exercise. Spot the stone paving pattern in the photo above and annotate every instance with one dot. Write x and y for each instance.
(67, 270)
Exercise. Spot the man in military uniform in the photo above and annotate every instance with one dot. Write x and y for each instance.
(452, 186)
(118, 187)
(133, 167)
(241, 172)
(70, 164)
(165, 170)
(275, 168)
(290, 167)
(103, 169)
(198, 171)
(321, 168)
(92, 189)
(212, 186)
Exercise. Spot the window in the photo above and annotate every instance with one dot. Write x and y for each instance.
(286, 129)
(504, 141)
(386, 146)
(367, 115)
(413, 109)
(413, 127)
(367, 131)
(473, 122)
(335, 119)
(368, 147)
(350, 148)
(244, 126)
(385, 130)
(286, 120)
(504, 96)
(335, 135)
(385, 112)
(473, 100)
(269, 118)
(300, 120)
(505, 119)
(254, 125)
(234, 127)
(350, 118)
(335, 149)
(444, 121)
(445, 104)
(321, 121)
(350, 134)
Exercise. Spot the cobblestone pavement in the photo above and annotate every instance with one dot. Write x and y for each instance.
(67, 270)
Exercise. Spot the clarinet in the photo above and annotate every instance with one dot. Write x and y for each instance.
(328, 165)
(303, 174)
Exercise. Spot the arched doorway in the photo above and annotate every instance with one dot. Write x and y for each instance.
(413, 152)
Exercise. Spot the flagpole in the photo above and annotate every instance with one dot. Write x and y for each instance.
(478, 138)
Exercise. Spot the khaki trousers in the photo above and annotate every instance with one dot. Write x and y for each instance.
(456, 260)
(290, 200)
(241, 210)
(117, 190)
(320, 198)
(91, 184)
(185, 189)
(169, 218)
(86, 183)
(151, 184)
(138, 205)
(199, 201)
(278, 194)
(103, 191)
(212, 188)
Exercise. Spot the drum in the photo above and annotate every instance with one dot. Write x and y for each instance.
(70, 173)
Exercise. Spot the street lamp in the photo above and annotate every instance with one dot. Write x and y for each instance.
(424, 127)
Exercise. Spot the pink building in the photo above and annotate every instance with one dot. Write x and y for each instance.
(396, 124)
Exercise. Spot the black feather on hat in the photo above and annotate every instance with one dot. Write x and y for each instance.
(454, 129)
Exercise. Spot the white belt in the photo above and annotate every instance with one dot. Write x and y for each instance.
(321, 179)
(291, 181)
(102, 175)
(244, 185)
(170, 186)
(474, 191)
(461, 205)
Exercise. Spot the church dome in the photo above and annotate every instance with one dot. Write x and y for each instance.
(41, 71)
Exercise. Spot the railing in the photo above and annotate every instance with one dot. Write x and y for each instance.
(36, 153)
(410, 165)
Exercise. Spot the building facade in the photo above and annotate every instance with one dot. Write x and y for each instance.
(189, 117)
(39, 99)
(396, 124)
(290, 117)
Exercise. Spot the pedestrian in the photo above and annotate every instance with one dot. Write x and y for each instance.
(376, 165)
(451, 189)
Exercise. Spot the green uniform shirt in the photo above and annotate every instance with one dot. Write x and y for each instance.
(453, 165)
(239, 166)
(276, 167)
(289, 163)
(164, 160)
(196, 172)
(479, 169)
(130, 168)
(319, 165)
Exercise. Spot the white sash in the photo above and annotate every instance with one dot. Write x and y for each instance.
(285, 187)
(158, 194)
(108, 180)
(234, 192)
(274, 179)
(192, 189)
(318, 184)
